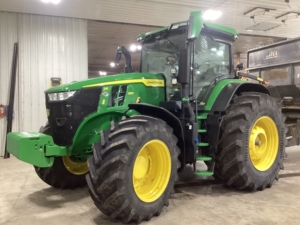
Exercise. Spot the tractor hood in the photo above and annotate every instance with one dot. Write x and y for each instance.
(126, 78)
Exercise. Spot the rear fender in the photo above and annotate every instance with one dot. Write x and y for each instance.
(227, 93)
(221, 103)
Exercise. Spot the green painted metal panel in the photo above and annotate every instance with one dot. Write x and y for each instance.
(55, 150)
(202, 131)
(217, 90)
(33, 148)
(205, 173)
(203, 158)
(202, 144)
(202, 116)
(89, 130)
(197, 23)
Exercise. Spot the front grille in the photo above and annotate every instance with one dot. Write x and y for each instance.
(66, 116)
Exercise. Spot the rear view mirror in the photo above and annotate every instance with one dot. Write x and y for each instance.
(118, 56)
(128, 67)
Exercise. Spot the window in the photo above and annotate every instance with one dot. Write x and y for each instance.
(211, 60)
(161, 56)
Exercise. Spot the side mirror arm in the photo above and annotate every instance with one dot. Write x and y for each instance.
(128, 67)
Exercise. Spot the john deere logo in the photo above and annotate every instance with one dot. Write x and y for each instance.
(154, 82)
(271, 55)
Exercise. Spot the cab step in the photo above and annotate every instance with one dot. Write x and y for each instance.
(203, 158)
(202, 144)
(202, 131)
(202, 117)
(204, 173)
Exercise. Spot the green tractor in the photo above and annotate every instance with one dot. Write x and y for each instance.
(138, 130)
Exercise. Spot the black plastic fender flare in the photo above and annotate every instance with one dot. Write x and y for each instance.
(231, 89)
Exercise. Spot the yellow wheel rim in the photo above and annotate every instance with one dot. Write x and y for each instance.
(77, 168)
(151, 171)
(263, 143)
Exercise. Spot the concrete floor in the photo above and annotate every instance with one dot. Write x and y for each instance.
(25, 199)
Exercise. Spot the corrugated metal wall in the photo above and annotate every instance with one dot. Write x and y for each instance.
(48, 47)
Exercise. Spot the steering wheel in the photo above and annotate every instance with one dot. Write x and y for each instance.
(171, 59)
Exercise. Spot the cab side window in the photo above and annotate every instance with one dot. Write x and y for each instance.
(211, 59)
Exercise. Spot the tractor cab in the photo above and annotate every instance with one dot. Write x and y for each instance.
(210, 59)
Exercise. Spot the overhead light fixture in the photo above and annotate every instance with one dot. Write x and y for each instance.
(134, 47)
(213, 49)
(212, 14)
(55, 1)
(112, 64)
(264, 26)
(51, 1)
(289, 16)
(258, 11)
(102, 73)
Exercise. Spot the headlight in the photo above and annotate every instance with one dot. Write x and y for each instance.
(60, 96)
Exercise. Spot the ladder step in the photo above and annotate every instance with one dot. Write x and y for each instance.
(202, 131)
(204, 173)
(203, 158)
(202, 117)
(202, 144)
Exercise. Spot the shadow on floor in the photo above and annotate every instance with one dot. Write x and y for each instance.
(55, 198)
(103, 219)
(289, 175)
(202, 185)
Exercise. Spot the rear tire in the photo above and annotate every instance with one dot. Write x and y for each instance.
(252, 143)
(58, 175)
(113, 171)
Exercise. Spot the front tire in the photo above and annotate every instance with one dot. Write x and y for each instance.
(64, 173)
(133, 169)
(252, 143)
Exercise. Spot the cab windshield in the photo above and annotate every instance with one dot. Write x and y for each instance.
(211, 59)
(161, 56)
